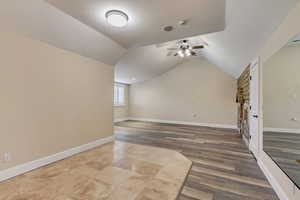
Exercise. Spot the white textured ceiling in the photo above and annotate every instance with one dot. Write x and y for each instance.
(148, 17)
(248, 25)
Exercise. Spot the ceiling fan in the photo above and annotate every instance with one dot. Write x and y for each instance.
(185, 49)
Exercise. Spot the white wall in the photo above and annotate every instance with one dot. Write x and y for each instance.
(286, 31)
(195, 91)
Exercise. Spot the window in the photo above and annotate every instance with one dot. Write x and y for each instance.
(119, 94)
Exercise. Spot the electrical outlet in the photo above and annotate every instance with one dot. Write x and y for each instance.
(7, 157)
(195, 115)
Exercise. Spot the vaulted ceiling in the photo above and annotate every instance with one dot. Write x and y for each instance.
(40, 20)
(147, 18)
(247, 26)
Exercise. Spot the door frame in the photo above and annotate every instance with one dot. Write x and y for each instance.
(255, 149)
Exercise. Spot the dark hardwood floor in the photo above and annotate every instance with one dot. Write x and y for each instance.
(284, 149)
(223, 169)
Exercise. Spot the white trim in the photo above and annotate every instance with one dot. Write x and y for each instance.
(246, 141)
(253, 149)
(275, 184)
(282, 130)
(186, 123)
(121, 119)
(21, 169)
(120, 105)
(254, 123)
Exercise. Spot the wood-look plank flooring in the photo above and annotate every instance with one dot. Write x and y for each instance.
(223, 169)
(284, 149)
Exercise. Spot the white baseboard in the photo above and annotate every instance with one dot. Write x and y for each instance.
(282, 130)
(246, 141)
(276, 186)
(185, 123)
(121, 119)
(254, 149)
(21, 169)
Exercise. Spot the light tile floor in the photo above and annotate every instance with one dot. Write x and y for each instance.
(115, 171)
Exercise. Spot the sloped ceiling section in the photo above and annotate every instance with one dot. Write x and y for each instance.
(248, 26)
(41, 21)
(144, 63)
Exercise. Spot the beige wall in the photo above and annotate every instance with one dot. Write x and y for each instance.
(122, 112)
(195, 91)
(281, 89)
(286, 31)
(51, 99)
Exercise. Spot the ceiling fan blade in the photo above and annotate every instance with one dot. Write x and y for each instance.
(198, 47)
(162, 44)
(172, 49)
(170, 53)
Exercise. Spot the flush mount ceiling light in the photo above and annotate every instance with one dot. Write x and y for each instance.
(116, 18)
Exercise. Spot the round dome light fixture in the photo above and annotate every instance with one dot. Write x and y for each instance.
(117, 18)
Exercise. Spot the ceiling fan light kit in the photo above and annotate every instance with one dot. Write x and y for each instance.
(188, 52)
(185, 49)
(181, 53)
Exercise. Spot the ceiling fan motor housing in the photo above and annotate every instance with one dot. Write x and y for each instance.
(185, 49)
